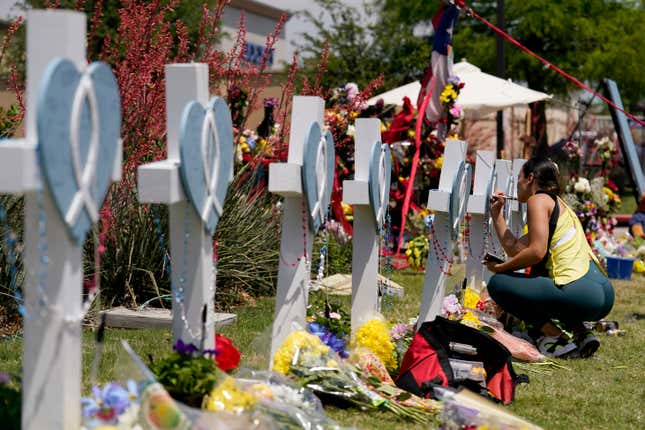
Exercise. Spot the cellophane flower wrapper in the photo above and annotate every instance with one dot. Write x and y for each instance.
(456, 416)
(153, 408)
(312, 364)
(290, 404)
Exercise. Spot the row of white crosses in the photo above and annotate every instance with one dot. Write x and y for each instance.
(450, 202)
(490, 175)
(305, 181)
(82, 109)
(72, 152)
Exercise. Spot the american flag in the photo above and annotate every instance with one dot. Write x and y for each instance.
(441, 60)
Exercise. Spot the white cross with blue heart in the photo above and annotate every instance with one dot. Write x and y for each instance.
(449, 203)
(64, 166)
(193, 181)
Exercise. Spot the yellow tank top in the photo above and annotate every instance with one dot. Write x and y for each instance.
(569, 251)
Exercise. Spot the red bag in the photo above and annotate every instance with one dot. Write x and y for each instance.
(448, 353)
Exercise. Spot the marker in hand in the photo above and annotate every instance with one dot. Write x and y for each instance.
(496, 196)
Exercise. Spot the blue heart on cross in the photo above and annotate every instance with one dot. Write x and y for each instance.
(379, 180)
(318, 174)
(206, 152)
(79, 124)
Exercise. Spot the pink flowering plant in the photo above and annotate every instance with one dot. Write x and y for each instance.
(401, 335)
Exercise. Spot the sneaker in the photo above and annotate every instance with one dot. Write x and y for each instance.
(556, 347)
(587, 343)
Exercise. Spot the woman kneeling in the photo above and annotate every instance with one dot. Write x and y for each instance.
(566, 281)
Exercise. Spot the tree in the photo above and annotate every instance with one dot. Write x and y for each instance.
(591, 39)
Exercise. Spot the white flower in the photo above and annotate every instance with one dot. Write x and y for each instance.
(582, 185)
(351, 131)
(450, 305)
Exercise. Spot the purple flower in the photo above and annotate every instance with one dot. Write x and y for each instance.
(328, 338)
(271, 102)
(4, 378)
(108, 403)
(185, 348)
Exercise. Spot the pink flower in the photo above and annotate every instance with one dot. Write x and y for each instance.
(455, 111)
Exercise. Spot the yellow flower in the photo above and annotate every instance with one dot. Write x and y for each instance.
(470, 319)
(227, 396)
(301, 341)
(448, 94)
(411, 134)
(639, 266)
(439, 162)
(471, 298)
(353, 115)
(375, 336)
(609, 193)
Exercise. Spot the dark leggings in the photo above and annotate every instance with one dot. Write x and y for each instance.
(537, 299)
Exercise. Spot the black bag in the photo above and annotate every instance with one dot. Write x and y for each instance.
(448, 353)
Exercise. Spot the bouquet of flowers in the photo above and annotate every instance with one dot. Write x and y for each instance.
(417, 251)
(375, 336)
(449, 101)
(304, 357)
(329, 316)
(593, 202)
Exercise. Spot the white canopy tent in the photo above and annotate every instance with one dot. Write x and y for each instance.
(481, 94)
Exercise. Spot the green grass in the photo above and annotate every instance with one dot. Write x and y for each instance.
(605, 392)
(628, 204)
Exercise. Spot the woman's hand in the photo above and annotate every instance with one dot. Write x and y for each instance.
(497, 201)
(491, 266)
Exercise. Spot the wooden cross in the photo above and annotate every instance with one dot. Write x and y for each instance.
(71, 153)
(193, 182)
(478, 207)
(518, 210)
(369, 193)
(306, 197)
(449, 203)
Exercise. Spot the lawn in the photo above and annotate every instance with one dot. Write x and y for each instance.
(605, 392)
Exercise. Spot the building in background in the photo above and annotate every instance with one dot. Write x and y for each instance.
(260, 20)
